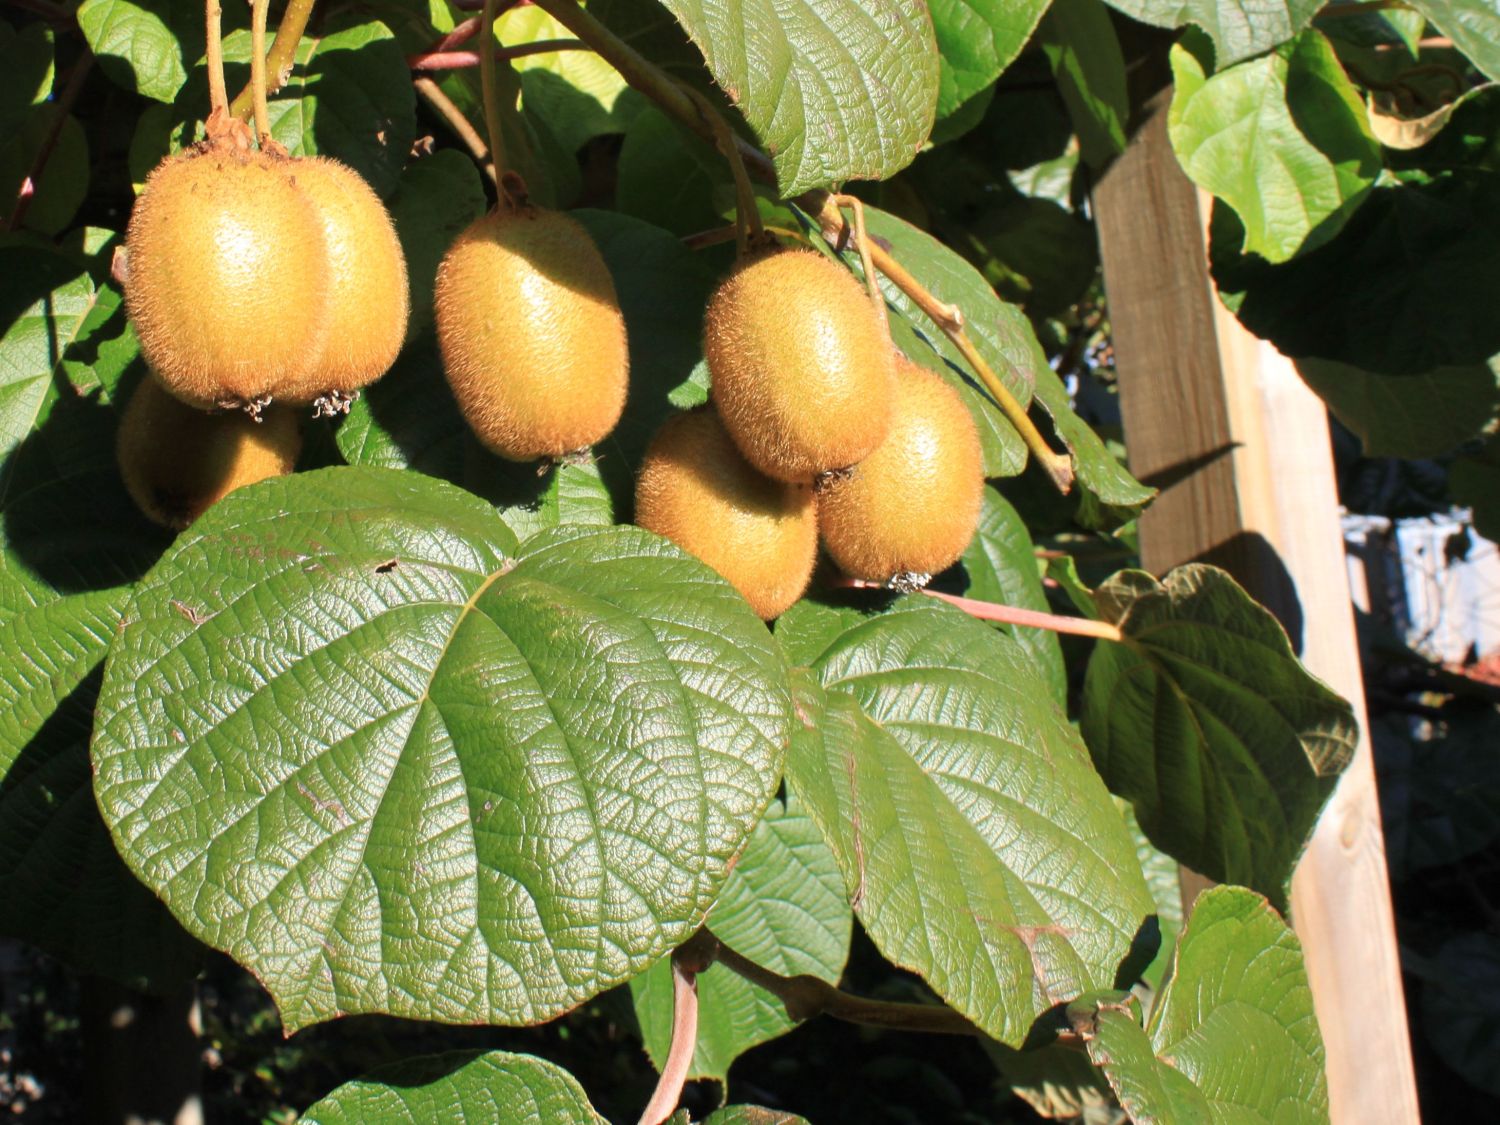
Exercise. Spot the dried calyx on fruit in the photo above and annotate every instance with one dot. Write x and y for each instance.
(177, 461)
(531, 333)
(252, 277)
(800, 364)
(911, 507)
(760, 534)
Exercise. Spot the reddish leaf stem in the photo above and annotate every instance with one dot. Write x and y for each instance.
(1012, 615)
(459, 60)
(687, 963)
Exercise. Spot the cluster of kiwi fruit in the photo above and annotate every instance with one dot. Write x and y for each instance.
(251, 278)
(817, 429)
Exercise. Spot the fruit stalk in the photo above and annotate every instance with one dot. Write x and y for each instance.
(258, 10)
(747, 225)
(657, 85)
(862, 244)
(490, 87)
(213, 53)
(280, 58)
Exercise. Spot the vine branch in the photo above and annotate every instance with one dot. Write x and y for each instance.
(1010, 614)
(454, 118)
(807, 996)
(278, 60)
(657, 85)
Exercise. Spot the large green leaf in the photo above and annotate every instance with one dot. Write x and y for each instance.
(1407, 415)
(437, 197)
(26, 70)
(136, 46)
(357, 740)
(784, 908)
(976, 40)
(1283, 139)
(462, 1086)
(1427, 257)
(668, 176)
(835, 89)
(1002, 567)
(1203, 718)
(1081, 45)
(1232, 1037)
(978, 847)
(63, 184)
(1474, 27)
(576, 93)
(1238, 29)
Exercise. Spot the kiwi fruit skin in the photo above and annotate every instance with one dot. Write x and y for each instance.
(368, 301)
(176, 461)
(697, 490)
(800, 364)
(912, 505)
(226, 276)
(531, 332)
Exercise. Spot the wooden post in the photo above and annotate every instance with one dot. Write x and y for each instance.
(1239, 446)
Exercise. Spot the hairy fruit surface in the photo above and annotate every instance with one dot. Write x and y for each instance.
(531, 332)
(177, 461)
(800, 364)
(697, 490)
(367, 297)
(227, 276)
(912, 505)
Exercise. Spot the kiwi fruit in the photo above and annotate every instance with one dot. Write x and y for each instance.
(177, 461)
(696, 489)
(367, 295)
(226, 276)
(911, 507)
(531, 333)
(800, 364)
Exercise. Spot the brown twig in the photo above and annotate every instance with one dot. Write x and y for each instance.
(1009, 614)
(807, 996)
(279, 59)
(60, 110)
(693, 957)
(459, 60)
(455, 120)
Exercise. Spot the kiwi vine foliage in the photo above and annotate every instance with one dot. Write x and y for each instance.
(424, 732)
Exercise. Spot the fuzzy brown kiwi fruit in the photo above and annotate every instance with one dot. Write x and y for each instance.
(226, 276)
(800, 364)
(697, 490)
(912, 505)
(177, 461)
(367, 298)
(531, 333)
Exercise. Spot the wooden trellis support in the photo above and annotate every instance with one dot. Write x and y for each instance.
(1220, 421)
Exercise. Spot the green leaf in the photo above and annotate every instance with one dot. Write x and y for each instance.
(136, 47)
(752, 1115)
(1283, 139)
(1002, 567)
(1238, 30)
(1057, 1081)
(978, 847)
(1427, 256)
(460, 1086)
(438, 196)
(357, 740)
(1164, 879)
(835, 89)
(1460, 1000)
(667, 176)
(1232, 1036)
(1407, 415)
(784, 908)
(1000, 332)
(1474, 27)
(26, 70)
(1204, 719)
(577, 93)
(976, 40)
(1084, 52)
(64, 182)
